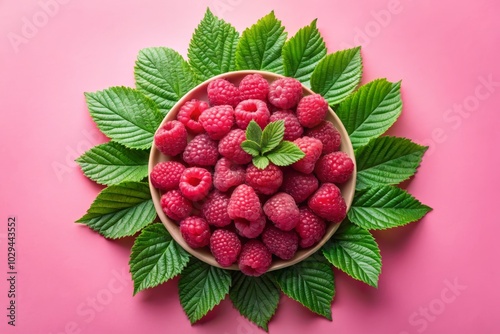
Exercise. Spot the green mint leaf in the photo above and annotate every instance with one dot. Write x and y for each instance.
(201, 288)
(155, 258)
(256, 298)
(354, 251)
(259, 47)
(337, 75)
(254, 132)
(163, 75)
(120, 210)
(302, 52)
(286, 153)
(370, 111)
(251, 148)
(112, 163)
(272, 135)
(260, 162)
(212, 47)
(387, 160)
(384, 207)
(311, 283)
(125, 115)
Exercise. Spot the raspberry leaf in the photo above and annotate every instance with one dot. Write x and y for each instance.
(272, 135)
(384, 207)
(286, 153)
(251, 147)
(260, 162)
(201, 288)
(253, 132)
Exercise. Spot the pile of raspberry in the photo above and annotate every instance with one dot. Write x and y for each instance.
(220, 200)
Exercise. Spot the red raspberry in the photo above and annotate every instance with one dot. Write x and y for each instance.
(283, 244)
(334, 167)
(265, 181)
(221, 91)
(328, 134)
(312, 148)
(327, 202)
(230, 147)
(244, 203)
(228, 174)
(255, 259)
(176, 206)
(285, 93)
(310, 228)
(190, 112)
(217, 121)
(201, 151)
(215, 209)
(195, 183)
(312, 110)
(250, 229)
(293, 129)
(166, 175)
(195, 231)
(225, 247)
(254, 86)
(298, 185)
(171, 138)
(251, 110)
(282, 211)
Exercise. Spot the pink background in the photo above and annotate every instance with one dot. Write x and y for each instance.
(444, 51)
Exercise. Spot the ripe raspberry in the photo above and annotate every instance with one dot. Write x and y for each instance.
(312, 148)
(293, 129)
(312, 110)
(254, 86)
(283, 244)
(176, 206)
(250, 229)
(171, 138)
(230, 147)
(285, 93)
(282, 211)
(265, 181)
(195, 183)
(327, 202)
(221, 91)
(190, 112)
(217, 121)
(255, 258)
(166, 175)
(310, 228)
(195, 231)
(334, 167)
(328, 134)
(244, 203)
(215, 209)
(249, 110)
(201, 151)
(228, 174)
(225, 247)
(298, 185)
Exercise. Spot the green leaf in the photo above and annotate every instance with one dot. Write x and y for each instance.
(384, 207)
(155, 258)
(251, 147)
(212, 47)
(337, 75)
(112, 163)
(354, 251)
(125, 115)
(302, 52)
(163, 75)
(254, 132)
(120, 210)
(387, 160)
(311, 283)
(272, 135)
(286, 153)
(256, 298)
(371, 110)
(259, 47)
(260, 162)
(201, 288)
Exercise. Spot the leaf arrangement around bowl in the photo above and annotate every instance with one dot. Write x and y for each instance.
(130, 117)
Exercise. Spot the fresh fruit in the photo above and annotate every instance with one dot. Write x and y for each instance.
(283, 244)
(285, 93)
(310, 228)
(228, 174)
(230, 147)
(195, 183)
(312, 148)
(265, 181)
(312, 110)
(299, 185)
(214, 209)
(250, 229)
(175, 206)
(225, 247)
(171, 139)
(255, 259)
(189, 115)
(254, 86)
(244, 203)
(335, 167)
(201, 151)
(327, 134)
(253, 109)
(166, 175)
(195, 231)
(282, 211)
(293, 129)
(221, 92)
(217, 121)
(327, 202)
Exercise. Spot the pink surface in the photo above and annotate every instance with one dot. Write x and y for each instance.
(73, 281)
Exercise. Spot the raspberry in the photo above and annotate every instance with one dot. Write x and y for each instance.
(221, 91)
(215, 209)
(334, 167)
(310, 228)
(255, 258)
(285, 93)
(249, 110)
(265, 181)
(312, 148)
(228, 174)
(328, 134)
(190, 112)
(280, 243)
(244, 203)
(250, 229)
(171, 138)
(298, 185)
(254, 86)
(195, 231)
(217, 121)
(195, 183)
(176, 206)
(166, 175)
(293, 129)
(312, 110)
(201, 151)
(327, 202)
(282, 211)
(225, 247)
(230, 147)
